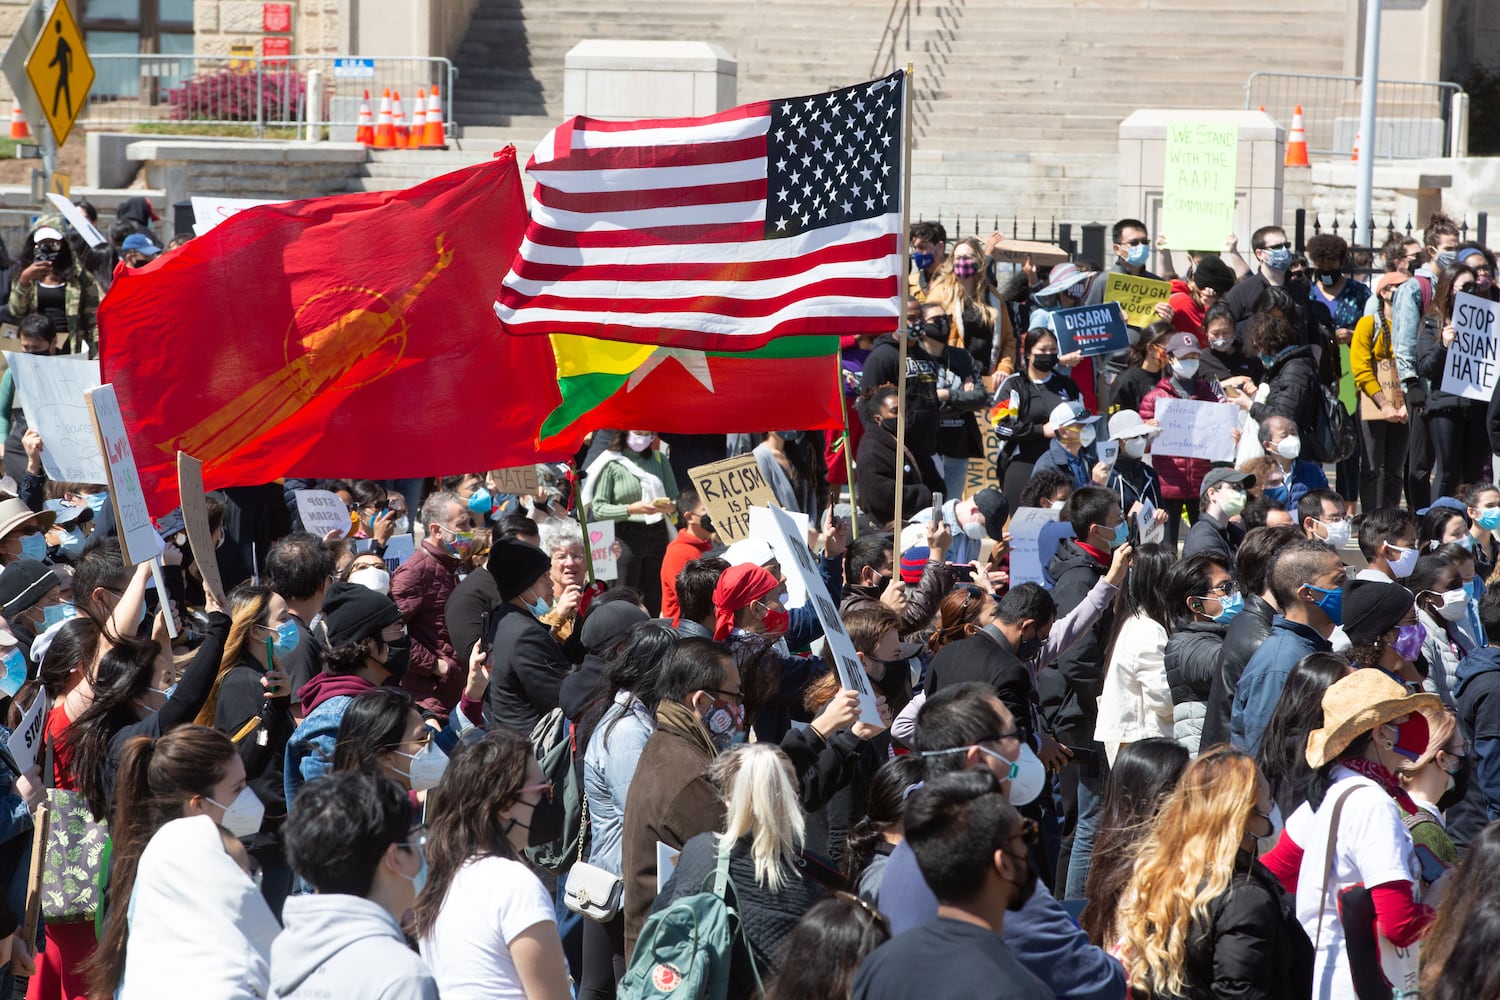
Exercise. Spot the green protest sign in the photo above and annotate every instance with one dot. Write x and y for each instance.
(1197, 196)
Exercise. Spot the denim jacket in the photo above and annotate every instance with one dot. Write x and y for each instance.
(608, 767)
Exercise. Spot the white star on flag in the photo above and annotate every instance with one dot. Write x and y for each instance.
(695, 363)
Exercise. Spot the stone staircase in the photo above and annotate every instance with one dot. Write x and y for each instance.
(1017, 102)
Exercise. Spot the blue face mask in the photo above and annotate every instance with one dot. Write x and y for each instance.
(15, 672)
(480, 502)
(1137, 255)
(1229, 607)
(34, 546)
(790, 437)
(57, 613)
(96, 501)
(286, 639)
(72, 544)
(1122, 533)
(1279, 260)
(1277, 494)
(1332, 603)
(1471, 587)
(922, 261)
(1489, 518)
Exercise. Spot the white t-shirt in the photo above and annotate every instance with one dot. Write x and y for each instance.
(1373, 848)
(489, 903)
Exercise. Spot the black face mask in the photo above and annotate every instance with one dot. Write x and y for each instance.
(1455, 795)
(1027, 649)
(1044, 362)
(706, 523)
(397, 657)
(1024, 891)
(546, 822)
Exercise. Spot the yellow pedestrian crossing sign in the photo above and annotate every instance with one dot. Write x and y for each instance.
(60, 71)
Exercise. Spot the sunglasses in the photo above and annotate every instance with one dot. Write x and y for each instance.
(545, 787)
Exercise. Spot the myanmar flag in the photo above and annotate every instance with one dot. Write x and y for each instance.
(347, 336)
(792, 382)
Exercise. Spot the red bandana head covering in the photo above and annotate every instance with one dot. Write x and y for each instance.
(738, 587)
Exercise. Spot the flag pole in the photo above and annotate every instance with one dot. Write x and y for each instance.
(901, 335)
(583, 522)
(838, 376)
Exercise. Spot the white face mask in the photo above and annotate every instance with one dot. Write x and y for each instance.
(1087, 434)
(1185, 368)
(426, 768)
(1289, 446)
(1404, 563)
(1455, 605)
(1337, 532)
(1027, 778)
(1134, 447)
(975, 530)
(374, 577)
(243, 816)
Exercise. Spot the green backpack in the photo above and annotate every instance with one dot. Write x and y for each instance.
(684, 951)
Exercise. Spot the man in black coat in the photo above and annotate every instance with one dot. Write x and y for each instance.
(527, 664)
(1070, 694)
(1023, 621)
(1250, 628)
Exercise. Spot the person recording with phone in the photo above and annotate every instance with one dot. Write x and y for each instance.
(48, 281)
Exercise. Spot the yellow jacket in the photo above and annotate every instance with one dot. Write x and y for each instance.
(1365, 350)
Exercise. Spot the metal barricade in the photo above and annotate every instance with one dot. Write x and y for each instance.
(259, 92)
(1413, 119)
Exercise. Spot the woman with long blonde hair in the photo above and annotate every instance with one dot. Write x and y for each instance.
(764, 830)
(979, 321)
(1201, 917)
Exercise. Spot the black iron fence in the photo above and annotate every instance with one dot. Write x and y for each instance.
(1367, 253)
(1082, 240)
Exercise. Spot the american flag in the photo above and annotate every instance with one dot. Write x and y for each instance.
(718, 233)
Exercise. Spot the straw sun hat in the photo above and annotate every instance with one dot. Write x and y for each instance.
(1356, 704)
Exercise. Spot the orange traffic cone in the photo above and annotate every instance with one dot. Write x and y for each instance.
(385, 132)
(1354, 153)
(365, 133)
(18, 129)
(435, 137)
(1296, 142)
(418, 122)
(398, 121)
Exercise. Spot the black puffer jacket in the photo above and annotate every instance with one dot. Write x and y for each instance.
(1069, 694)
(1253, 947)
(1250, 628)
(1192, 659)
(1296, 391)
(1432, 358)
(766, 917)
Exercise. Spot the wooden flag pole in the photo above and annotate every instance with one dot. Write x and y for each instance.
(41, 821)
(901, 334)
(838, 376)
(583, 525)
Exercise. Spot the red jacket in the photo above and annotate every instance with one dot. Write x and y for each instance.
(683, 550)
(421, 588)
(1179, 478)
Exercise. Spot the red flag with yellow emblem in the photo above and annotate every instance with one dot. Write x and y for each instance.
(347, 336)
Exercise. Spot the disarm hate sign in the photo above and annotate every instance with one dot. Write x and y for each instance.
(729, 489)
(1472, 369)
(1091, 329)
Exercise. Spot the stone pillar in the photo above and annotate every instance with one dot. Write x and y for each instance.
(1258, 173)
(624, 80)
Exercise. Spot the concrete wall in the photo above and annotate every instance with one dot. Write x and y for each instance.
(219, 24)
(406, 27)
(241, 169)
